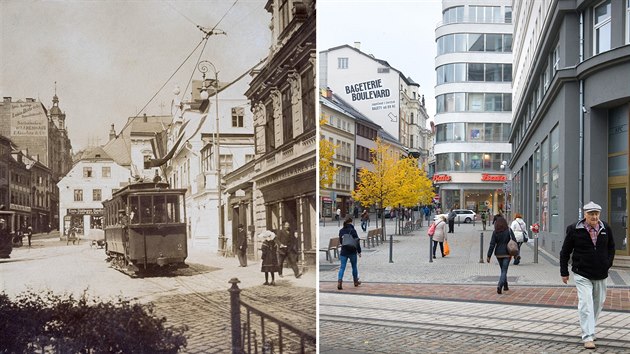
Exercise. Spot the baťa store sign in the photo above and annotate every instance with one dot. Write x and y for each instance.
(441, 178)
(493, 178)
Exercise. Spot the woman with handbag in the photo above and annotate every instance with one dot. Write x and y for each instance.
(439, 235)
(350, 249)
(519, 228)
(501, 247)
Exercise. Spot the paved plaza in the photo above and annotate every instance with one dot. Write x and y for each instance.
(412, 305)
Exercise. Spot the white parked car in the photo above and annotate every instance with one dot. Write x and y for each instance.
(463, 216)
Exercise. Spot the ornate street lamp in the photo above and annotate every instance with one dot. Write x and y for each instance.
(203, 67)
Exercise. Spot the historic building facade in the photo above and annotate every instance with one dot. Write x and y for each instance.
(92, 179)
(473, 104)
(41, 136)
(571, 115)
(283, 98)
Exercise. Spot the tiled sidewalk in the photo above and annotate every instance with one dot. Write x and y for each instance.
(617, 299)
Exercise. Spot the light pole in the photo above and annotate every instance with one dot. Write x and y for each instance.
(203, 67)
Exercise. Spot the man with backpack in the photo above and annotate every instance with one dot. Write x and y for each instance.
(350, 248)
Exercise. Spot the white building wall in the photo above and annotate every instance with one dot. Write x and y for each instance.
(360, 84)
(74, 180)
(185, 168)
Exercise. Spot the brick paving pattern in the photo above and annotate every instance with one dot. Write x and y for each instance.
(450, 305)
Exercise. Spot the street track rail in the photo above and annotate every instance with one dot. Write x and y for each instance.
(499, 322)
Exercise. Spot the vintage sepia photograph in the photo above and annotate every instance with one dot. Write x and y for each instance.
(158, 176)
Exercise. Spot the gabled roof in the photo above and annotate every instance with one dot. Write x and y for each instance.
(338, 104)
(407, 80)
(119, 148)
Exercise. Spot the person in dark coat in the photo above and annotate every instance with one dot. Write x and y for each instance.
(348, 253)
(451, 221)
(242, 246)
(498, 245)
(591, 246)
(6, 244)
(269, 256)
(287, 249)
(29, 235)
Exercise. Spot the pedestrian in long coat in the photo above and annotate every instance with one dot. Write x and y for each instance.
(440, 234)
(269, 256)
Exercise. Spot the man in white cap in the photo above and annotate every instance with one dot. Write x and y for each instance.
(591, 246)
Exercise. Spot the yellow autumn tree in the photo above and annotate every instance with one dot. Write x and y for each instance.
(327, 169)
(394, 181)
(378, 186)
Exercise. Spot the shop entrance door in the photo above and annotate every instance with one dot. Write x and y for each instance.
(618, 216)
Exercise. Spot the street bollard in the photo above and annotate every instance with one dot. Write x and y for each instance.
(391, 248)
(535, 248)
(430, 249)
(481, 248)
(235, 311)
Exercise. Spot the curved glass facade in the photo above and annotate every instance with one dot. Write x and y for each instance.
(474, 102)
(470, 161)
(473, 132)
(474, 42)
(474, 72)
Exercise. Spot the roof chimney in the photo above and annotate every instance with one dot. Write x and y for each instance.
(357, 45)
(112, 133)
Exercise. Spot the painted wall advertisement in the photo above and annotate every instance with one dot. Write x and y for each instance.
(373, 91)
(28, 120)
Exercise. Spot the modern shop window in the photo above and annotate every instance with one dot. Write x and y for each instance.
(555, 225)
(617, 143)
(602, 27)
(544, 186)
(537, 185)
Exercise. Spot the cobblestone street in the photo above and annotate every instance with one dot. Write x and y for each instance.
(197, 296)
(450, 305)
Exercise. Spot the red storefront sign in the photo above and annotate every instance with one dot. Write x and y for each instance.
(493, 178)
(441, 178)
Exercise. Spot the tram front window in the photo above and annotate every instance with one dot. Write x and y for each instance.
(174, 203)
(159, 215)
(145, 207)
(133, 213)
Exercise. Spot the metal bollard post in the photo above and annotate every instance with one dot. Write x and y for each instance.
(535, 248)
(430, 249)
(235, 312)
(481, 248)
(391, 248)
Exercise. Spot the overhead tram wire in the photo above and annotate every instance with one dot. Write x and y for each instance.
(160, 89)
(207, 35)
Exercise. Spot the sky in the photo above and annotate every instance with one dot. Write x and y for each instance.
(110, 57)
(399, 32)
